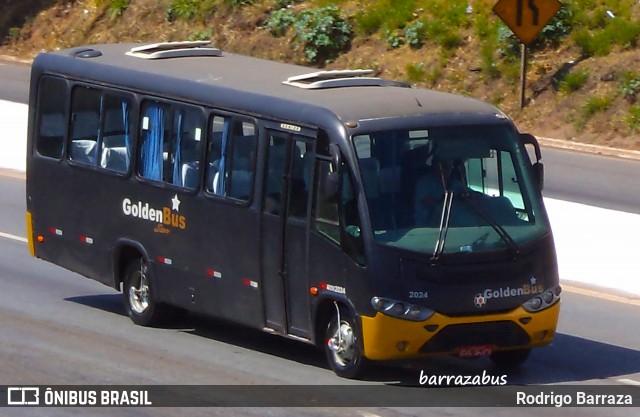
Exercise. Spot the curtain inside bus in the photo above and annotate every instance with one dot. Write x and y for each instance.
(152, 144)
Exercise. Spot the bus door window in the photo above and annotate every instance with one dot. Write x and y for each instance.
(338, 219)
(230, 158)
(52, 102)
(275, 173)
(301, 179)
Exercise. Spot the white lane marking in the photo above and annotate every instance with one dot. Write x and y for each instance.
(366, 413)
(630, 382)
(13, 237)
(601, 295)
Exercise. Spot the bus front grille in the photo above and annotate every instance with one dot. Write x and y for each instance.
(497, 333)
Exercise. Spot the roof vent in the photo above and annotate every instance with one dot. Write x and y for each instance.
(174, 50)
(340, 78)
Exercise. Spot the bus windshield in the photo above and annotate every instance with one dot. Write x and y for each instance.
(446, 190)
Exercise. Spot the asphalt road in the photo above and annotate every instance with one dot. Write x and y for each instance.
(60, 328)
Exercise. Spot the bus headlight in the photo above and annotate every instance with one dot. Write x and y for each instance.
(400, 309)
(541, 301)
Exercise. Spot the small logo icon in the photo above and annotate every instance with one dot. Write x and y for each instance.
(23, 396)
(479, 300)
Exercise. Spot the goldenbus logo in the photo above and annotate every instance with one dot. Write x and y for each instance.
(164, 215)
(482, 298)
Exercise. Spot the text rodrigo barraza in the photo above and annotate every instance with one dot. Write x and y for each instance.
(463, 380)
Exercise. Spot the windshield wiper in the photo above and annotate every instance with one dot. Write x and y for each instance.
(445, 216)
(513, 246)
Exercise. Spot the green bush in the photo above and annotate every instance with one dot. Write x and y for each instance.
(573, 81)
(323, 32)
(596, 104)
(630, 86)
(559, 27)
(633, 118)
(394, 39)
(200, 35)
(386, 15)
(415, 73)
(415, 34)
(117, 7)
(183, 9)
(279, 22)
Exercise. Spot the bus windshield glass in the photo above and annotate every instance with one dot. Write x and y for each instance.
(446, 190)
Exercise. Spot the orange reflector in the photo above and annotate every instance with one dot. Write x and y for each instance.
(40, 238)
(313, 290)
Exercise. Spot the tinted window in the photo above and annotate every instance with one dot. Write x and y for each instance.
(230, 158)
(52, 105)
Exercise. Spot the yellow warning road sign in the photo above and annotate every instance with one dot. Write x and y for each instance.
(526, 18)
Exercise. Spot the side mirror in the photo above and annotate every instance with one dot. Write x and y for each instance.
(538, 167)
(538, 172)
(331, 187)
(331, 183)
(336, 158)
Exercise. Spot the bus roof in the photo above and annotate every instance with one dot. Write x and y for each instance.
(238, 82)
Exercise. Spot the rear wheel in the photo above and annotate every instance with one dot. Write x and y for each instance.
(343, 345)
(510, 358)
(139, 300)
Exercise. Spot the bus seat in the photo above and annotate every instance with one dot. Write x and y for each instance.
(190, 174)
(83, 151)
(114, 159)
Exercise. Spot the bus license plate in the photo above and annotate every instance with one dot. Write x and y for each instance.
(475, 351)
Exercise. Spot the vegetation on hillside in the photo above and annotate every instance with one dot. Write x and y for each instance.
(584, 72)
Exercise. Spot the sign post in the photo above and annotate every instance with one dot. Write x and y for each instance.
(526, 18)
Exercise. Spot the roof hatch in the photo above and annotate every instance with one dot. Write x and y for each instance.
(174, 50)
(340, 78)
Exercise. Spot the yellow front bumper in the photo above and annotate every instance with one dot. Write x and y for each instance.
(386, 338)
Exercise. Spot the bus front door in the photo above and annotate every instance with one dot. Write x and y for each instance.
(285, 233)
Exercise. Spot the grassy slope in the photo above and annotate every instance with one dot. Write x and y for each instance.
(466, 53)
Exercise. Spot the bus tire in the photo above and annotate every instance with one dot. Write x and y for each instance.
(343, 346)
(510, 358)
(139, 299)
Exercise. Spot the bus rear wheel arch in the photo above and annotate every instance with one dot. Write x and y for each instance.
(140, 301)
(342, 343)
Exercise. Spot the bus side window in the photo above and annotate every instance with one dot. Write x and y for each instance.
(115, 145)
(85, 125)
(230, 161)
(188, 126)
(155, 139)
(170, 148)
(52, 105)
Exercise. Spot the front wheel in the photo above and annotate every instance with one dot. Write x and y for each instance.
(343, 345)
(139, 299)
(510, 358)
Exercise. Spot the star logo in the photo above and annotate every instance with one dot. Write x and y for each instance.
(533, 280)
(175, 202)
